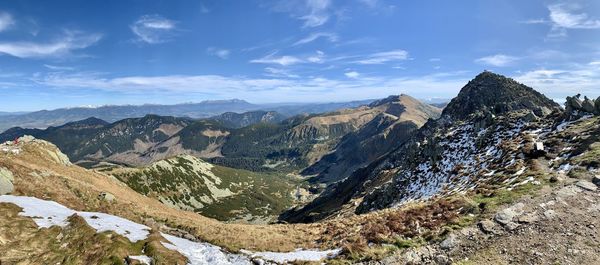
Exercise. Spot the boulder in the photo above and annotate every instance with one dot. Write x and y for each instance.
(586, 185)
(506, 216)
(588, 105)
(449, 243)
(598, 105)
(6, 181)
(106, 196)
(575, 102)
(487, 226)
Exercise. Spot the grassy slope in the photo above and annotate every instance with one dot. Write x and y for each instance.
(184, 186)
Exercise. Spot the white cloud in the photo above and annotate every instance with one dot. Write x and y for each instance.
(318, 14)
(352, 74)
(562, 16)
(279, 72)
(6, 21)
(314, 13)
(384, 57)
(535, 21)
(319, 57)
(332, 37)
(284, 60)
(566, 81)
(72, 40)
(263, 89)
(59, 68)
(499, 60)
(153, 29)
(221, 53)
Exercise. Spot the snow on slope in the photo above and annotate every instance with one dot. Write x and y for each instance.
(202, 253)
(49, 213)
(298, 255)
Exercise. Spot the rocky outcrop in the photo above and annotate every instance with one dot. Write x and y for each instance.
(489, 92)
(576, 105)
(6, 181)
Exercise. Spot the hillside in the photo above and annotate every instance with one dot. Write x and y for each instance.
(188, 183)
(400, 116)
(239, 120)
(445, 156)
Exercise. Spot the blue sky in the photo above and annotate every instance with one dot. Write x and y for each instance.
(72, 53)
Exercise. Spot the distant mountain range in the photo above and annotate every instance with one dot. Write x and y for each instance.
(255, 140)
(46, 118)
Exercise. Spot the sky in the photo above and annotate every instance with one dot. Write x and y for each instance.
(77, 53)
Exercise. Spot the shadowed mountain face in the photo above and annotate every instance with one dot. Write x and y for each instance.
(400, 116)
(489, 110)
(239, 120)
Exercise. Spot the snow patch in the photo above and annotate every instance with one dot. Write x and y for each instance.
(298, 255)
(143, 259)
(202, 253)
(48, 213)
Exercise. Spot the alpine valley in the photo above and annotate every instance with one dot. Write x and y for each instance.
(501, 175)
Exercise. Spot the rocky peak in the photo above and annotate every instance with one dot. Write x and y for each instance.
(497, 94)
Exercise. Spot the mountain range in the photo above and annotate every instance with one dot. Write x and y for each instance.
(500, 169)
(45, 118)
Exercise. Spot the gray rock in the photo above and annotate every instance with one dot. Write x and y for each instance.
(576, 103)
(549, 214)
(588, 105)
(528, 218)
(510, 226)
(449, 243)
(487, 226)
(506, 216)
(106, 196)
(598, 105)
(6, 181)
(586, 185)
(568, 191)
(530, 117)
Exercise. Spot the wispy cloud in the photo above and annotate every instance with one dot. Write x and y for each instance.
(564, 16)
(564, 81)
(6, 21)
(70, 41)
(59, 68)
(499, 60)
(153, 29)
(384, 57)
(221, 53)
(284, 60)
(280, 72)
(352, 74)
(535, 21)
(332, 37)
(318, 14)
(314, 13)
(263, 89)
